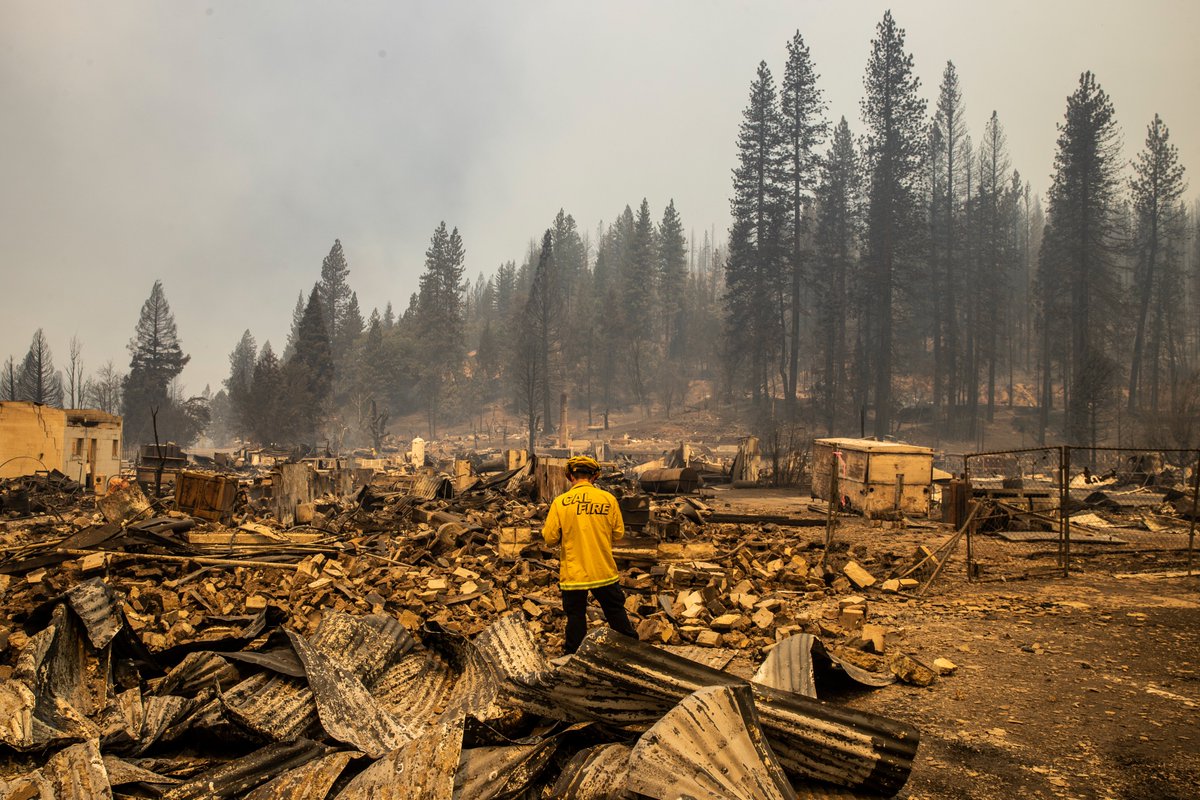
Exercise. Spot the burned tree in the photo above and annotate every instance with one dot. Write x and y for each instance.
(8, 380)
(156, 360)
(75, 383)
(38, 381)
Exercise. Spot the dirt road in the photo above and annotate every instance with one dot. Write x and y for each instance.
(1083, 688)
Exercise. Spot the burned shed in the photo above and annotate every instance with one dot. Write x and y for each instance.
(875, 478)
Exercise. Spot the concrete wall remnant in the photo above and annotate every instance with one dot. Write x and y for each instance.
(83, 444)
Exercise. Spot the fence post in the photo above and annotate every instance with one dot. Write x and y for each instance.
(1064, 517)
(835, 502)
(1192, 521)
(970, 529)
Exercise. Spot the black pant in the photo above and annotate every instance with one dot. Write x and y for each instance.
(612, 602)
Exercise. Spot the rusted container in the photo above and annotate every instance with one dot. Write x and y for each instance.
(205, 495)
(875, 478)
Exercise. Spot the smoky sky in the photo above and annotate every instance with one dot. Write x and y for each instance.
(222, 147)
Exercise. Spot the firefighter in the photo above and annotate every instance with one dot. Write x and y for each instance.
(585, 520)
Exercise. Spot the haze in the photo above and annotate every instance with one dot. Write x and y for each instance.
(222, 147)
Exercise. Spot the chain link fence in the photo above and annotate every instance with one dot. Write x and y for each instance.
(1126, 510)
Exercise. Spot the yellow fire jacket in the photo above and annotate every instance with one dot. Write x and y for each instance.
(586, 520)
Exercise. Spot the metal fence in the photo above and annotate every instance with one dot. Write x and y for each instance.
(1126, 510)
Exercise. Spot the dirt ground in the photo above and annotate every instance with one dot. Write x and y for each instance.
(1080, 687)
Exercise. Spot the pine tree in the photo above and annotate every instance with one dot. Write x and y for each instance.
(335, 290)
(533, 336)
(377, 370)
(240, 382)
(10, 380)
(1157, 186)
(571, 271)
(289, 348)
(439, 310)
(803, 128)
(308, 377)
(752, 272)
(1078, 251)
(839, 201)
(345, 351)
(895, 142)
(951, 157)
(639, 302)
(994, 282)
(268, 417)
(156, 360)
(672, 277)
(38, 382)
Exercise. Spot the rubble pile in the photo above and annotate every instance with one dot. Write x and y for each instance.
(394, 643)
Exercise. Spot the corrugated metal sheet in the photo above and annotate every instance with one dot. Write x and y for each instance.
(68, 680)
(121, 772)
(493, 773)
(96, 606)
(312, 781)
(284, 660)
(715, 657)
(366, 645)
(122, 721)
(195, 672)
(788, 667)
(423, 769)
(431, 487)
(813, 791)
(415, 689)
(836, 744)
(621, 681)
(158, 715)
(31, 786)
(277, 707)
(503, 670)
(347, 711)
(596, 773)
(708, 747)
(17, 703)
(235, 778)
(616, 679)
(856, 673)
(77, 773)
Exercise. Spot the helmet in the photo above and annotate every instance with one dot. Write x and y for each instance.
(583, 465)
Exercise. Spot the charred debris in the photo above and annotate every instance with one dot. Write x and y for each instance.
(321, 630)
